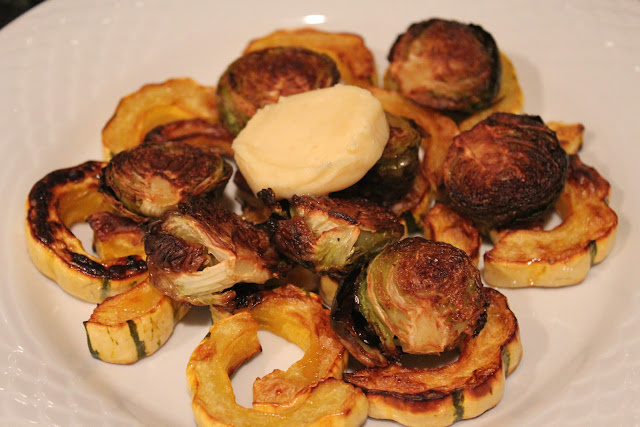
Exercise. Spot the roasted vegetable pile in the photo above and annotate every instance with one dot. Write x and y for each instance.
(396, 250)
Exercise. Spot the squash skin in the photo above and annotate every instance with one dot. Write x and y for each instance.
(56, 202)
(132, 325)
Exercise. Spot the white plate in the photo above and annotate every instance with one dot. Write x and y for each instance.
(64, 66)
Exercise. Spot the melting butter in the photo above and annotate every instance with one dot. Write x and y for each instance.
(312, 143)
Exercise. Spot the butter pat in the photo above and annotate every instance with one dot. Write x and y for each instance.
(312, 143)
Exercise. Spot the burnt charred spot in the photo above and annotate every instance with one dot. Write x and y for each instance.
(121, 269)
(87, 265)
(125, 267)
(294, 239)
(42, 194)
(170, 253)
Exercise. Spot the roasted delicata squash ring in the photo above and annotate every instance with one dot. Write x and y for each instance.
(56, 202)
(509, 99)
(230, 342)
(116, 236)
(563, 255)
(463, 389)
(132, 325)
(570, 135)
(443, 224)
(355, 61)
(300, 318)
(153, 105)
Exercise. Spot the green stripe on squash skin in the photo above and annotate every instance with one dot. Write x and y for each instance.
(94, 353)
(140, 346)
(593, 250)
(506, 360)
(458, 405)
(106, 284)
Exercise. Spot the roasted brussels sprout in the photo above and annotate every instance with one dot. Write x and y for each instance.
(392, 176)
(507, 170)
(149, 179)
(446, 65)
(201, 133)
(201, 249)
(332, 236)
(417, 295)
(261, 77)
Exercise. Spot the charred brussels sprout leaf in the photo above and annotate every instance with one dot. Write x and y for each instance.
(333, 236)
(149, 179)
(446, 65)
(507, 170)
(259, 78)
(417, 294)
(201, 249)
(393, 175)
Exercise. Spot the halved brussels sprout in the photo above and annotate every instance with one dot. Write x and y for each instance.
(392, 176)
(333, 236)
(149, 179)
(259, 78)
(446, 65)
(200, 249)
(417, 294)
(201, 133)
(507, 170)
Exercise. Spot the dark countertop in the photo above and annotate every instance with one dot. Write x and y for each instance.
(11, 9)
